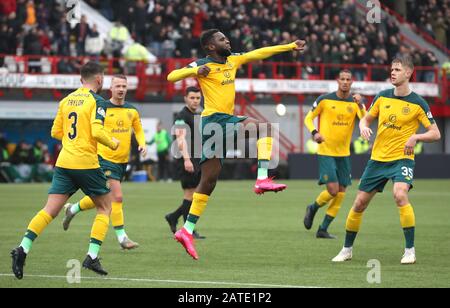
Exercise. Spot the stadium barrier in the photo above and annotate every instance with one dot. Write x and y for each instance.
(276, 78)
(428, 166)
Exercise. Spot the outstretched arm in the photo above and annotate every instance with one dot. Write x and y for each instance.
(267, 52)
(177, 75)
(182, 73)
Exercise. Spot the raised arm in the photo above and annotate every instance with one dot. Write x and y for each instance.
(267, 52)
(182, 73)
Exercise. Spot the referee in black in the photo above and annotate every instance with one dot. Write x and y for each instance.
(188, 165)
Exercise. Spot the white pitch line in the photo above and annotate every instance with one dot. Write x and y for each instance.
(262, 285)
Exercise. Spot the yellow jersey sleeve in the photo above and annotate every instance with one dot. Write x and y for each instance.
(361, 112)
(425, 116)
(262, 53)
(182, 73)
(57, 128)
(138, 130)
(314, 113)
(98, 132)
(374, 109)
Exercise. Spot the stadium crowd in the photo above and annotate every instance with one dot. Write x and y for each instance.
(25, 162)
(430, 16)
(335, 32)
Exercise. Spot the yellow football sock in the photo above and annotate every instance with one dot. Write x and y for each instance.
(336, 204)
(199, 203)
(86, 204)
(407, 216)
(354, 220)
(40, 222)
(98, 235)
(198, 206)
(117, 219)
(35, 228)
(265, 148)
(100, 227)
(323, 198)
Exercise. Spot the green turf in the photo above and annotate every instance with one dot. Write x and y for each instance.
(251, 239)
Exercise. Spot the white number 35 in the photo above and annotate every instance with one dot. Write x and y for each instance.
(407, 172)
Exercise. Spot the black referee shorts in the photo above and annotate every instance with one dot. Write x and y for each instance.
(189, 180)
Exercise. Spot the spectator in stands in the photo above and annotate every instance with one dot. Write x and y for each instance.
(185, 46)
(42, 170)
(105, 8)
(163, 141)
(44, 40)
(22, 160)
(140, 25)
(31, 18)
(43, 16)
(361, 57)
(32, 43)
(65, 66)
(171, 28)
(379, 58)
(62, 36)
(5, 166)
(158, 35)
(118, 36)
(4, 41)
(440, 28)
(136, 53)
(8, 8)
(429, 60)
(199, 18)
(81, 31)
(94, 43)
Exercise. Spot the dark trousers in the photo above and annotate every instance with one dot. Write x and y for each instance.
(163, 165)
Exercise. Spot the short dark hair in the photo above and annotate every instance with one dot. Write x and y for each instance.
(206, 37)
(404, 60)
(120, 76)
(344, 70)
(191, 89)
(90, 70)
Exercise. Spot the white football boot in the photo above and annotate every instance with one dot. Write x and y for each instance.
(346, 254)
(409, 257)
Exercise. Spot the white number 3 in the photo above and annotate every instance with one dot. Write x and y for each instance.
(407, 172)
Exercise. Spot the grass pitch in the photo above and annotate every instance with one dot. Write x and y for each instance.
(252, 241)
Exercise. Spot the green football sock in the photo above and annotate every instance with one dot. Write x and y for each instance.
(94, 248)
(190, 223)
(27, 241)
(263, 169)
(326, 223)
